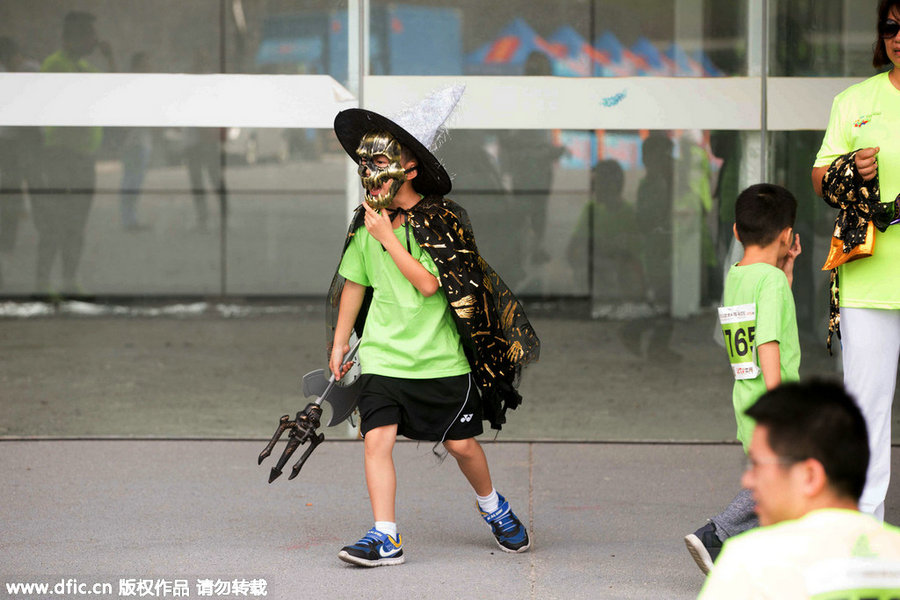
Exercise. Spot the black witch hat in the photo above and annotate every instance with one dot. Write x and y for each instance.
(416, 129)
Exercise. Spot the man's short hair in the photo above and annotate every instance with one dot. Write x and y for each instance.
(763, 211)
(818, 419)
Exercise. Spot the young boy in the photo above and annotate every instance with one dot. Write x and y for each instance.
(759, 323)
(410, 257)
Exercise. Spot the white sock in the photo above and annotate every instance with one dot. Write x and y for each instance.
(388, 528)
(489, 503)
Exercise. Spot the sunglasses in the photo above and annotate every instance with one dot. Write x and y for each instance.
(888, 29)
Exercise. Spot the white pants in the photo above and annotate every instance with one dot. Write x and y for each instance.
(870, 344)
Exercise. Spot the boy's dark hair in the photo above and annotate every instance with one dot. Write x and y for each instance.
(406, 155)
(763, 211)
(879, 55)
(818, 419)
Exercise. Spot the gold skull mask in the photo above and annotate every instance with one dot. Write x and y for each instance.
(373, 176)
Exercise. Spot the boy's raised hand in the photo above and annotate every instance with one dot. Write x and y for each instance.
(795, 248)
(378, 224)
(793, 252)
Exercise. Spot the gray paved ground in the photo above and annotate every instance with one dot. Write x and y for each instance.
(607, 519)
(607, 514)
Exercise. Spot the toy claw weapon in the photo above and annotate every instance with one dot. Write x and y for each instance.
(303, 427)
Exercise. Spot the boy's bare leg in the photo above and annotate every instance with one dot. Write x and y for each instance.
(472, 462)
(381, 478)
(506, 527)
(381, 545)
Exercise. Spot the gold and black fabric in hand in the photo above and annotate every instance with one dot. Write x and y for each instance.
(860, 213)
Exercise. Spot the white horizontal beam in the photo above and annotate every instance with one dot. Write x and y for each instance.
(798, 103)
(157, 100)
(794, 103)
(171, 100)
(584, 103)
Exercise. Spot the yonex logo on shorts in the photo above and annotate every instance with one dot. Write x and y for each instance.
(465, 418)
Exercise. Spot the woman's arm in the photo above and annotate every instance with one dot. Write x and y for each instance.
(818, 173)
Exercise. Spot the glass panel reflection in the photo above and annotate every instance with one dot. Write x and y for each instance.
(613, 215)
(202, 36)
(286, 244)
(108, 35)
(822, 39)
(602, 38)
(143, 215)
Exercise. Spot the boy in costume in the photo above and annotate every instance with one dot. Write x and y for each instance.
(759, 323)
(443, 340)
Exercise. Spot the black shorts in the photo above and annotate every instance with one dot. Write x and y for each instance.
(434, 410)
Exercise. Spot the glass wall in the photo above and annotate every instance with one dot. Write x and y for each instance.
(177, 208)
(599, 149)
(166, 210)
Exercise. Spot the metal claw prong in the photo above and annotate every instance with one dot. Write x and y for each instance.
(292, 445)
(283, 424)
(313, 442)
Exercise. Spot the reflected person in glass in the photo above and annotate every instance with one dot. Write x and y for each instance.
(137, 147)
(19, 155)
(618, 276)
(61, 211)
(654, 204)
(529, 156)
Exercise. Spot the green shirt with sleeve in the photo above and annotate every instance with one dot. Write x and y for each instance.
(765, 288)
(867, 115)
(406, 334)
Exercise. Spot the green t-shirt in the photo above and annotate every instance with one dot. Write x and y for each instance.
(763, 294)
(85, 140)
(406, 334)
(828, 554)
(868, 115)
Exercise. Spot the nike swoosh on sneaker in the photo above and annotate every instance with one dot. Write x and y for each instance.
(387, 550)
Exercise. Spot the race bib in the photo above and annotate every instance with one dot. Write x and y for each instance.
(739, 327)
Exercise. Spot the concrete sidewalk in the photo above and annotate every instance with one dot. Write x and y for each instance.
(607, 520)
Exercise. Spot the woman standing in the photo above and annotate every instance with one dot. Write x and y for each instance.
(864, 130)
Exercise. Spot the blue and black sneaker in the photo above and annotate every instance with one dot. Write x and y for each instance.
(375, 549)
(508, 530)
